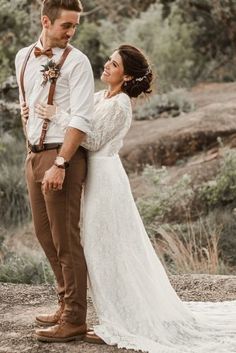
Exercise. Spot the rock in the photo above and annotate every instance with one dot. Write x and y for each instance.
(166, 141)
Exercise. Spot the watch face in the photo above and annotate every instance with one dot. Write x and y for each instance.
(60, 160)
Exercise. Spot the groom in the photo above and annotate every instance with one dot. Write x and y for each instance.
(55, 164)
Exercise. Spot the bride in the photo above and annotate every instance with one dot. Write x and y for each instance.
(134, 300)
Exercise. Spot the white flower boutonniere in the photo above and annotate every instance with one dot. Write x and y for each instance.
(51, 72)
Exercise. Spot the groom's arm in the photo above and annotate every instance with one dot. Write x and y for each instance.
(81, 87)
(54, 177)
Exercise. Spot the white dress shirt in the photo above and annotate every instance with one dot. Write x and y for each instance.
(74, 92)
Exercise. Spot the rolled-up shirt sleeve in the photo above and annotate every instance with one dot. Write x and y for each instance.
(81, 85)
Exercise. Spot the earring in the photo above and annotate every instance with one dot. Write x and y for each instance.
(125, 84)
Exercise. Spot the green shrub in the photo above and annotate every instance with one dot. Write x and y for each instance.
(19, 26)
(221, 190)
(167, 200)
(169, 44)
(24, 269)
(171, 104)
(14, 205)
(90, 41)
(171, 202)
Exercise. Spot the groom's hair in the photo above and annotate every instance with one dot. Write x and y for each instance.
(52, 8)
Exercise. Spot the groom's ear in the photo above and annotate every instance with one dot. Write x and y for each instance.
(45, 21)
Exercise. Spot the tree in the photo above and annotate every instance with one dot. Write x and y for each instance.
(19, 26)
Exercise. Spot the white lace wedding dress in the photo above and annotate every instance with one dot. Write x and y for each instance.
(135, 302)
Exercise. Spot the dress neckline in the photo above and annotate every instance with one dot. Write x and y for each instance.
(105, 92)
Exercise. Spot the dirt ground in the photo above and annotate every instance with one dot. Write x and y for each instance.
(19, 303)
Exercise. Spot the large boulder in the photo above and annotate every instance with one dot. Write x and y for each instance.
(166, 141)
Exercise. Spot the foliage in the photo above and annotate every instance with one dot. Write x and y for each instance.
(186, 40)
(194, 249)
(13, 195)
(221, 190)
(216, 38)
(206, 244)
(89, 41)
(227, 243)
(100, 9)
(165, 199)
(18, 28)
(171, 104)
(168, 43)
(24, 269)
(170, 200)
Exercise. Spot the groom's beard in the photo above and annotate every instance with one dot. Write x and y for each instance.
(60, 43)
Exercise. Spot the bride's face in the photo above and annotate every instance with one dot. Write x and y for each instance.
(113, 73)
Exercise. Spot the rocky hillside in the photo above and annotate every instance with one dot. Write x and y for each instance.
(20, 303)
(191, 143)
(165, 141)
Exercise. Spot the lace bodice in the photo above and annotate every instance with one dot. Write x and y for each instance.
(111, 121)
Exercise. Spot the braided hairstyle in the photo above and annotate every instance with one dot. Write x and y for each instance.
(135, 65)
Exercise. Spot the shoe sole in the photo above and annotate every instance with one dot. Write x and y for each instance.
(60, 340)
(93, 340)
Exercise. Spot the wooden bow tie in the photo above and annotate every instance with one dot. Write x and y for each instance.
(38, 52)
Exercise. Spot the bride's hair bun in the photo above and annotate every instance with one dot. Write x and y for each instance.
(135, 65)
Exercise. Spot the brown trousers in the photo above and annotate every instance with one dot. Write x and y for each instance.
(56, 221)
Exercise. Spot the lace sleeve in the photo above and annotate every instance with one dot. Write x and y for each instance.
(61, 118)
(110, 120)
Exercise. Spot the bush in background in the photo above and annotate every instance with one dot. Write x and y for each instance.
(89, 41)
(24, 268)
(168, 42)
(14, 205)
(222, 190)
(19, 26)
(200, 230)
(167, 202)
(171, 104)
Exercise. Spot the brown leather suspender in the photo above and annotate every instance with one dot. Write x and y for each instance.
(23, 71)
(51, 88)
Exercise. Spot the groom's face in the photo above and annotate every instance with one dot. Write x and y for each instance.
(60, 32)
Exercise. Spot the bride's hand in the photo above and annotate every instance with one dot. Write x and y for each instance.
(24, 112)
(45, 111)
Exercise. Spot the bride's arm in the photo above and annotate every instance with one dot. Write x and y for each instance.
(107, 123)
(58, 116)
(104, 126)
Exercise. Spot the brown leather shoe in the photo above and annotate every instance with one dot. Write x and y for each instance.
(51, 319)
(91, 337)
(62, 332)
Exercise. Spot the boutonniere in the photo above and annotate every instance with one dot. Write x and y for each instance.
(51, 72)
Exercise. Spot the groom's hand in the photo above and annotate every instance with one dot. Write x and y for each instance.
(53, 179)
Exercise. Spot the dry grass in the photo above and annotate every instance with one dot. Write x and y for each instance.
(194, 250)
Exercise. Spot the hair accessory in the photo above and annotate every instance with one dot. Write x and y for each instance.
(144, 76)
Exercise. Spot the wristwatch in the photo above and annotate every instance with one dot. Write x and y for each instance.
(60, 162)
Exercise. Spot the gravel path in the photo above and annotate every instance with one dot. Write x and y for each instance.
(19, 303)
